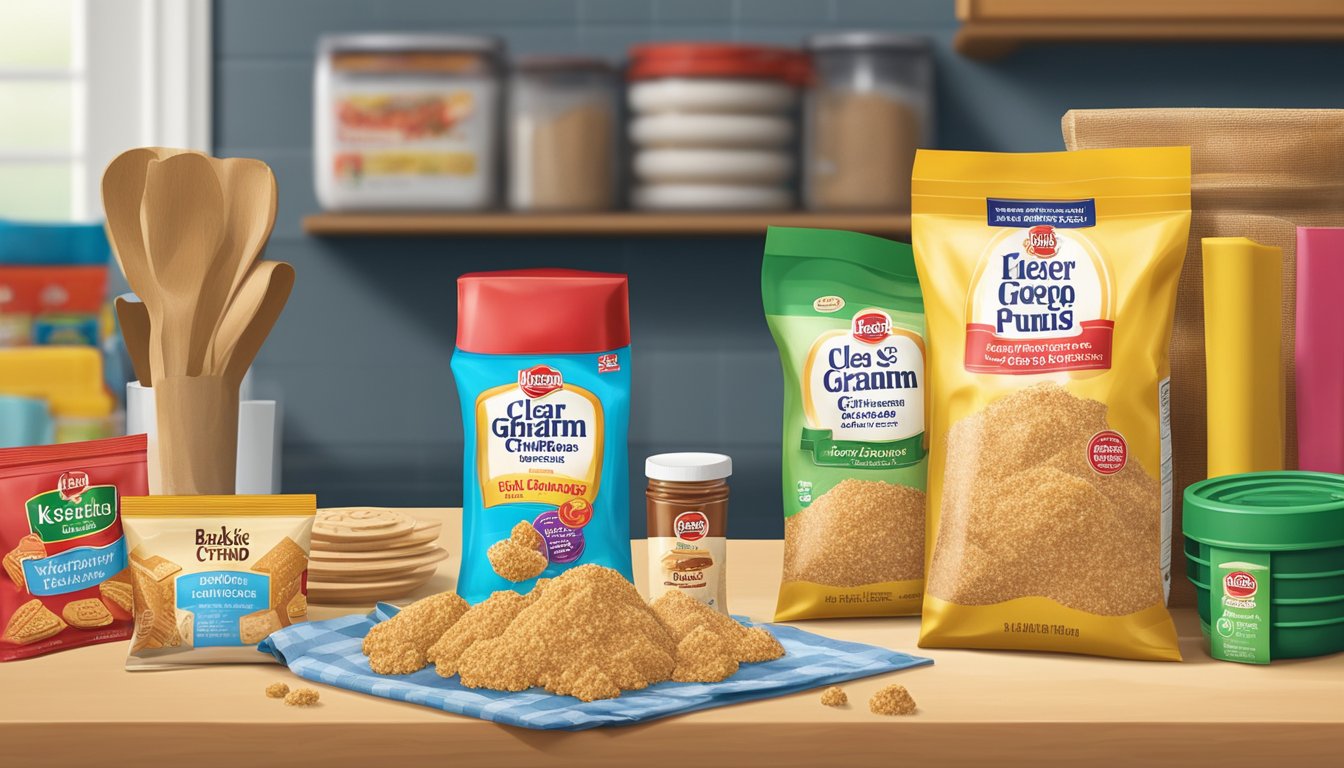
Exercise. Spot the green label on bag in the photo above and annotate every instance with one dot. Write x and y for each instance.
(890, 454)
(61, 515)
(1241, 596)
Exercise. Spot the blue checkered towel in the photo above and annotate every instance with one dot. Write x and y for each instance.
(329, 652)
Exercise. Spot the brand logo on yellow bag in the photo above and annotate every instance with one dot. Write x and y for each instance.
(1040, 303)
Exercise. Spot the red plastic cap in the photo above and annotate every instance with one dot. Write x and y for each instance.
(542, 311)
(718, 60)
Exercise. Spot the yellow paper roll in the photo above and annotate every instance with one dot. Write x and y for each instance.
(1243, 340)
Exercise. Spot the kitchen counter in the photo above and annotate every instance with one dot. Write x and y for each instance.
(975, 708)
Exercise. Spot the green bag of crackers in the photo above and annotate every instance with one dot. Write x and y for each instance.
(846, 312)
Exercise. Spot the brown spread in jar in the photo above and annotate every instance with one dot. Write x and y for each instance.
(688, 522)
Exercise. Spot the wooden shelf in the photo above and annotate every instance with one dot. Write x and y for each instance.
(992, 28)
(976, 708)
(618, 223)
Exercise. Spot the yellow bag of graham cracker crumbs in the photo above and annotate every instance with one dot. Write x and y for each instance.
(1049, 288)
(213, 576)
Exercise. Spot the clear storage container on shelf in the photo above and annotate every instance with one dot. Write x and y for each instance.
(869, 106)
(713, 126)
(562, 135)
(409, 121)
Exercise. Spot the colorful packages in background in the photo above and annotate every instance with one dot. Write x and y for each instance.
(1320, 349)
(53, 282)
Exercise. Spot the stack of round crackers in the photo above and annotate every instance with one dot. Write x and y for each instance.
(366, 554)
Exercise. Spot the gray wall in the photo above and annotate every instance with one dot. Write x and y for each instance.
(361, 356)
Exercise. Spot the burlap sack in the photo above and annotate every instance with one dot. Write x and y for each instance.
(1257, 173)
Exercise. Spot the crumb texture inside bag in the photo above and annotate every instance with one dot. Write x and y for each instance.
(838, 539)
(1026, 515)
(586, 633)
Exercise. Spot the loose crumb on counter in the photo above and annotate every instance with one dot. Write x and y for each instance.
(301, 697)
(834, 696)
(276, 690)
(892, 700)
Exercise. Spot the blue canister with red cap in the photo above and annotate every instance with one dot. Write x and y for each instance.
(542, 366)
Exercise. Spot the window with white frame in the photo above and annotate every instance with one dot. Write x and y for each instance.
(82, 80)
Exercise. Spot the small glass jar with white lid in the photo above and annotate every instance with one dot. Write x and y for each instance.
(562, 134)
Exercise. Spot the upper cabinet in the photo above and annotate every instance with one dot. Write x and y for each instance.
(991, 28)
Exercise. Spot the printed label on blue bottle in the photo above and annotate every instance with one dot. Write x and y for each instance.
(75, 569)
(218, 600)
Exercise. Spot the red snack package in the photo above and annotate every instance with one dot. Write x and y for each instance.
(63, 583)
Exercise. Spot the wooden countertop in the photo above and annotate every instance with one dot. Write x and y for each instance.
(976, 708)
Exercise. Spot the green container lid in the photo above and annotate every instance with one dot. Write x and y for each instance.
(1268, 511)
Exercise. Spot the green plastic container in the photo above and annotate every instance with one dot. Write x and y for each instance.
(1265, 552)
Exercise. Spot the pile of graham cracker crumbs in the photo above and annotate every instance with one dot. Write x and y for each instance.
(859, 532)
(301, 697)
(488, 619)
(1024, 513)
(587, 633)
(276, 690)
(682, 615)
(892, 700)
(520, 557)
(834, 696)
(397, 646)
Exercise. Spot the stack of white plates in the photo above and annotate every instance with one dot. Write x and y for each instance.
(712, 144)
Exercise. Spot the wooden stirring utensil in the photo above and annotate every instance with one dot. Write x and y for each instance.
(251, 317)
(182, 215)
(133, 317)
(123, 186)
(249, 201)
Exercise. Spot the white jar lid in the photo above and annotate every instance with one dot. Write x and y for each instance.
(688, 467)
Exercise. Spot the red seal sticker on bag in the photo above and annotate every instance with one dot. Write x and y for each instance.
(1107, 452)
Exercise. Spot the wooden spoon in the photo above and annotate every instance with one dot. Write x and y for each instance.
(123, 187)
(133, 317)
(251, 317)
(182, 215)
(250, 200)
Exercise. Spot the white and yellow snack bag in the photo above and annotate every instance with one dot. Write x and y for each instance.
(1049, 287)
(212, 576)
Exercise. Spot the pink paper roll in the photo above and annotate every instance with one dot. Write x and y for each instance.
(1320, 349)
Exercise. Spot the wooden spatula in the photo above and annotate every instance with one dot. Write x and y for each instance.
(251, 317)
(249, 202)
(123, 186)
(182, 215)
(133, 317)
